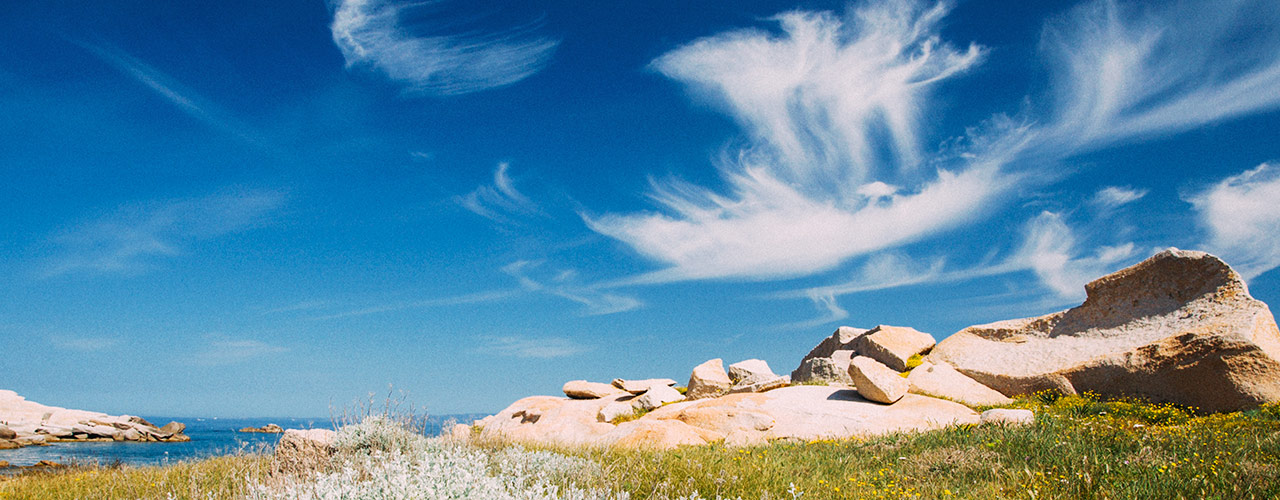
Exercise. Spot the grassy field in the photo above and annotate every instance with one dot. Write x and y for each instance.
(1079, 448)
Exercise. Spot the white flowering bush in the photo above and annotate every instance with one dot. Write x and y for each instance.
(379, 459)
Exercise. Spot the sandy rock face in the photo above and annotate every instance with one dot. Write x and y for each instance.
(803, 413)
(941, 380)
(877, 382)
(1178, 327)
(708, 380)
(551, 421)
(893, 345)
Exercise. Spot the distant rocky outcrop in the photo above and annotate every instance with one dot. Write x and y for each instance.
(30, 423)
(1179, 327)
(266, 429)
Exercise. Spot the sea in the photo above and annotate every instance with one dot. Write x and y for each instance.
(209, 437)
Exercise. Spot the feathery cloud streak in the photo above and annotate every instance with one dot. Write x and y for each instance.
(379, 34)
(811, 190)
(817, 187)
(499, 200)
(184, 99)
(135, 235)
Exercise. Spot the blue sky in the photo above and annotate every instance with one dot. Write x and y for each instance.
(276, 208)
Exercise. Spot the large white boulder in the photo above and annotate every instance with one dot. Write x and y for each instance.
(1179, 327)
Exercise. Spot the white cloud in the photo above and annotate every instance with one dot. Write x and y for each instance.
(1112, 197)
(226, 351)
(1242, 214)
(379, 34)
(835, 167)
(811, 192)
(594, 301)
(533, 347)
(1050, 250)
(1126, 71)
(134, 236)
(185, 99)
(499, 200)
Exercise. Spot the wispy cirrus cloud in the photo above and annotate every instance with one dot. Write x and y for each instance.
(135, 236)
(595, 302)
(393, 38)
(821, 102)
(182, 97)
(835, 168)
(1243, 219)
(533, 347)
(499, 201)
(220, 350)
(1113, 197)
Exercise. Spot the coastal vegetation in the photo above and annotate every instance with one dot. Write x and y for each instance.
(1078, 447)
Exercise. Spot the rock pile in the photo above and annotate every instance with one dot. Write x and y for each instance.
(1179, 327)
(27, 423)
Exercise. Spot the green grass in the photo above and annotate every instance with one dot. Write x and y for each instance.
(217, 478)
(1080, 447)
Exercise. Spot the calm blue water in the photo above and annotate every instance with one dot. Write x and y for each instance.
(209, 437)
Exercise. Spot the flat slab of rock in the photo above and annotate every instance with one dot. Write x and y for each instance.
(582, 389)
(639, 386)
(943, 381)
(750, 371)
(1179, 327)
(266, 429)
(809, 412)
(877, 382)
(708, 380)
(894, 345)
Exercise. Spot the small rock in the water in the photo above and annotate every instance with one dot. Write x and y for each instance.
(877, 382)
(708, 380)
(266, 429)
(1008, 417)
